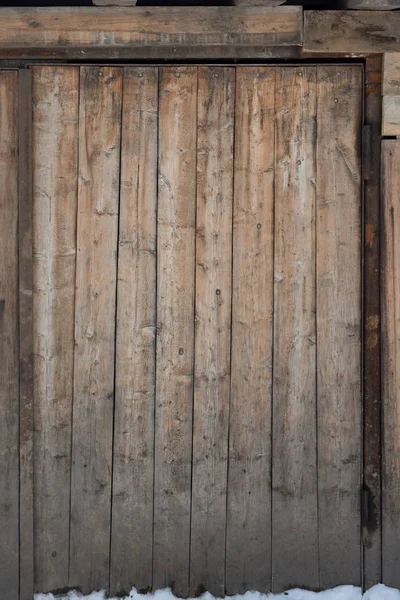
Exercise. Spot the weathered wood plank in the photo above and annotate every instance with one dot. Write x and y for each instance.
(372, 438)
(294, 461)
(25, 253)
(132, 506)
(391, 115)
(391, 73)
(135, 53)
(175, 327)
(216, 97)
(371, 4)
(9, 367)
(97, 230)
(86, 27)
(351, 32)
(390, 363)
(55, 157)
(339, 324)
(248, 546)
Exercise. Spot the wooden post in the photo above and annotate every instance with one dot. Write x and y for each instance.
(25, 335)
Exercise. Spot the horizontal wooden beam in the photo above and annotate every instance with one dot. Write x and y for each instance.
(51, 31)
(351, 32)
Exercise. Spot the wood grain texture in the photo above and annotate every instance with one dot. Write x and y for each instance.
(88, 27)
(216, 98)
(248, 545)
(133, 471)
(391, 115)
(391, 73)
(339, 324)
(134, 54)
(390, 362)
(55, 158)
(114, 2)
(26, 400)
(372, 414)
(175, 327)
(294, 461)
(9, 367)
(351, 32)
(96, 270)
(371, 4)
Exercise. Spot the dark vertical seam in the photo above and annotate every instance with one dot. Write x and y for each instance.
(362, 198)
(18, 135)
(234, 80)
(194, 334)
(122, 73)
(317, 70)
(73, 324)
(276, 70)
(25, 361)
(157, 72)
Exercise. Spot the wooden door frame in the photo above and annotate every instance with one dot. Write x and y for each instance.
(322, 35)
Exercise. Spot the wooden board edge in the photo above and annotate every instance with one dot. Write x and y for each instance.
(372, 440)
(25, 251)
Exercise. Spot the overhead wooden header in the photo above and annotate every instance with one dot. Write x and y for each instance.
(200, 32)
(117, 27)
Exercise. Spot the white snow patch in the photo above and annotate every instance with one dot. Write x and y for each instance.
(342, 592)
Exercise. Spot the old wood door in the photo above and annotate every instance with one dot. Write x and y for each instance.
(197, 327)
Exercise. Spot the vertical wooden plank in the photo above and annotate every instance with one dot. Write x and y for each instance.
(55, 154)
(175, 327)
(294, 461)
(9, 369)
(96, 270)
(25, 251)
(248, 544)
(390, 361)
(372, 438)
(339, 324)
(133, 472)
(213, 328)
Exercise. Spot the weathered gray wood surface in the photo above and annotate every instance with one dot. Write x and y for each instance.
(133, 471)
(351, 32)
(9, 361)
(175, 327)
(338, 314)
(226, 292)
(390, 361)
(248, 536)
(294, 435)
(215, 127)
(55, 163)
(391, 74)
(391, 115)
(96, 271)
(371, 4)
